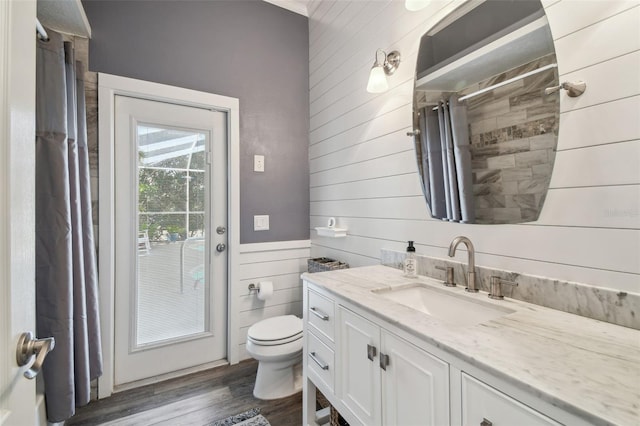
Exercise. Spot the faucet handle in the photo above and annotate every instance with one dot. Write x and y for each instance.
(449, 282)
(495, 291)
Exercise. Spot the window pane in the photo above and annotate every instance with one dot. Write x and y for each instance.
(171, 148)
(172, 280)
(196, 191)
(162, 190)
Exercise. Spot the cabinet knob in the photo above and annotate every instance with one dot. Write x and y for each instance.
(371, 352)
(486, 422)
(384, 361)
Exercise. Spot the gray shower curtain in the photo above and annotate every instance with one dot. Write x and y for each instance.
(432, 162)
(447, 161)
(66, 273)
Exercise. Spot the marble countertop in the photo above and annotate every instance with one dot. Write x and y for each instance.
(586, 367)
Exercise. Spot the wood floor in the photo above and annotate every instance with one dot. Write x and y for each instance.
(196, 399)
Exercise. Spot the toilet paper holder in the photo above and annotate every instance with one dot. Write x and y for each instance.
(263, 290)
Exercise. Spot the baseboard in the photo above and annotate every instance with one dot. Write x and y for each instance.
(167, 376)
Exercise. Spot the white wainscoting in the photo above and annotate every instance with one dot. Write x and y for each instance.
(278, 262)
(364, 172)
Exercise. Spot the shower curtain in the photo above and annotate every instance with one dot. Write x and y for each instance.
(447, 161)
(66, 273)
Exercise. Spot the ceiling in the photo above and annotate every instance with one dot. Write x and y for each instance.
(297, 6)
(67, 16)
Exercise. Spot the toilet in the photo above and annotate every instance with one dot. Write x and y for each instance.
(276, 343)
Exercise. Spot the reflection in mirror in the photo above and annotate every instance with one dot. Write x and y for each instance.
(486, 131)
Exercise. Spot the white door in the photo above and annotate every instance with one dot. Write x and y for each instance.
(17, 227)
(170, 237)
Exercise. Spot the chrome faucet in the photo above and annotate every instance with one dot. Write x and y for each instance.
(471, 265)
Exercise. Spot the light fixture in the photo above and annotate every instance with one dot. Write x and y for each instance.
(414, 5)
(380, 71)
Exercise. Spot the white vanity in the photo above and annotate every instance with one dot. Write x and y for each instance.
(371, 349)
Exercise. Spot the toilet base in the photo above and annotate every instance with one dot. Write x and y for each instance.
(276, 380)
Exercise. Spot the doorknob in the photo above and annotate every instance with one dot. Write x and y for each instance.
(221, 247)
(28, 347)
(221, 230)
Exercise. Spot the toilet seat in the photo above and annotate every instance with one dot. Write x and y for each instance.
(276, 331)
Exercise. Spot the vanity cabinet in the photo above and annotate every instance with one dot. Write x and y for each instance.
(387, 380)
(374, 375)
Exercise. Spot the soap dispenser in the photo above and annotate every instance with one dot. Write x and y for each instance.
(409, 266)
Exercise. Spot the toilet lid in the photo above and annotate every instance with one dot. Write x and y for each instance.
(284, 327)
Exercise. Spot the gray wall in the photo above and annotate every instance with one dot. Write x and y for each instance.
(247, 49)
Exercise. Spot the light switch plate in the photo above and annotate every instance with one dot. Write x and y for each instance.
(258, 163)
(261, 222)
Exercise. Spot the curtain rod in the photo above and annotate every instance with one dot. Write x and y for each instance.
(41, 32)
(511, 80)
(503, 83)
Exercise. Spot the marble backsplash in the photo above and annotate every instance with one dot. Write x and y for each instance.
(616, 307)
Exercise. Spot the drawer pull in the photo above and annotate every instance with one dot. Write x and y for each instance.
(321, 364)
(371, 352)
(384, 361)
(319, 314)
(486, 422)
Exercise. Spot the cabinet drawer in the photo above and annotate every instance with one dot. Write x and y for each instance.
(320, 360)
(482, 403)
(321, 314)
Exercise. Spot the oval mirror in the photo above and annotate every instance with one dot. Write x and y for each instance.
(485, 131)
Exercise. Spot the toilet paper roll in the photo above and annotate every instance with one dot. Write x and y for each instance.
(266, 290)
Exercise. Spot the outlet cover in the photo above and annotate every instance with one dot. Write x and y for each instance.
(261, 222)
(258, 163)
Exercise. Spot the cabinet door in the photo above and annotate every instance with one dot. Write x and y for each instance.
(360, 376)
(415, 385)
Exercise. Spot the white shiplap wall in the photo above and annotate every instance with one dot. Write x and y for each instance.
(281, 263)
(363, 168)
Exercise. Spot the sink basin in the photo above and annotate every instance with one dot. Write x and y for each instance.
(445, 306)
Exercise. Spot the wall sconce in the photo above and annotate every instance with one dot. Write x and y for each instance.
(414, 5)
(380, 71)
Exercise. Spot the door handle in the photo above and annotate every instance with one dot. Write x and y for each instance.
(28, 346)
(221, 230)
(221, 247)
